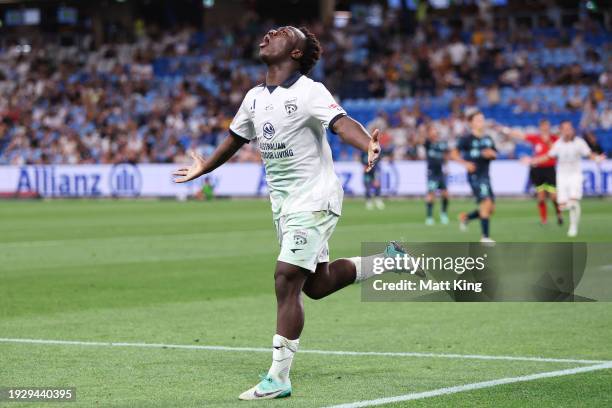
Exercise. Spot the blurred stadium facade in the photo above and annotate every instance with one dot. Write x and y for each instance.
(95, 95)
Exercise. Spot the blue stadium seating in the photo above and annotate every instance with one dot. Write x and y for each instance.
(364, 110)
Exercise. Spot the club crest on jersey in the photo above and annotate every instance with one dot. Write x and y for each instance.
(299, 237)
(291, 106)
(268, 130)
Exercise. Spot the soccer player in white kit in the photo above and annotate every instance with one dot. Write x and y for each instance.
(569, 151)
(287, 116)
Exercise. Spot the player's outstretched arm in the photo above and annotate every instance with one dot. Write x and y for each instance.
(511, 132)
(201, 166)
(353, 133)
(597, 158)
(534, 161)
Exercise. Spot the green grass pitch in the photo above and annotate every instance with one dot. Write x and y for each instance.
(200, 273)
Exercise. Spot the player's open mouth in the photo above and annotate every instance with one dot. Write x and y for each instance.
(265, 41)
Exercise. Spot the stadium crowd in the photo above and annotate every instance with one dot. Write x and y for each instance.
(162, 93)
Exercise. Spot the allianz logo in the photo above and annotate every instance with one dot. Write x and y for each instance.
(123, 180)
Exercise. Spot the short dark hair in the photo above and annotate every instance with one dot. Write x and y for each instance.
(311, 53)
(471, 115)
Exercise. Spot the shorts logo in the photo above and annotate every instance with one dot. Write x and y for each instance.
(268, 130)
(299, 237)
(325, 252)
(269, 107)
(291, 106)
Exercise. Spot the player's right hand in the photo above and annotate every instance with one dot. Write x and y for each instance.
(196, 169)
(373, 150)
(489, 153)
(470, 167)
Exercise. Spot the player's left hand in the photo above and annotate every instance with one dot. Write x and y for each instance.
(373, 150)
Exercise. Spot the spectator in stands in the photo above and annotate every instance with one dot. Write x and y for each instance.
(151, 99)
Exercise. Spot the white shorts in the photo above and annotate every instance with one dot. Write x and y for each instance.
(303, 237)
(569, 188)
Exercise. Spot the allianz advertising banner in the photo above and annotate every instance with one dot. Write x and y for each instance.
(399, 178)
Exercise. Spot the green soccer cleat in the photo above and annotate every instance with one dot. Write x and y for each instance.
(394, 249)
(268, 388)
(429, 221)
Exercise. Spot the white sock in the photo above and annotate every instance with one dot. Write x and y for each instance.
(283, 351)
(364, 266)
(574, 214)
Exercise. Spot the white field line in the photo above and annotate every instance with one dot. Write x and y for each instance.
(302, 351)
(473, 386)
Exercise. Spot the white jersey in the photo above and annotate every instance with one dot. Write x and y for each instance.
(569, 156)
(289, 123)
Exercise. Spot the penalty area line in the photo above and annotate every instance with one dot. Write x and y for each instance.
(472, 386)
(302, 351)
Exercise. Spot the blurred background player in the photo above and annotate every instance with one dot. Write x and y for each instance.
(569, 151)
(542, 175)
(371, 179)
(591, 140)
(371, 182)
(436, 152)
(475, 151)
(207, 191)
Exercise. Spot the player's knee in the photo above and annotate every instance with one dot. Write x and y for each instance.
(483, 208)
(486, 208)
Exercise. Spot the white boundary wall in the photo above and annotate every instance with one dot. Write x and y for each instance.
(402, 178)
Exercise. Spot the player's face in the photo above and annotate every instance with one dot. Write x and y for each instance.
(544, 129)
(567, 130)
(478, 123)
(279, 44)
(432, 134)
